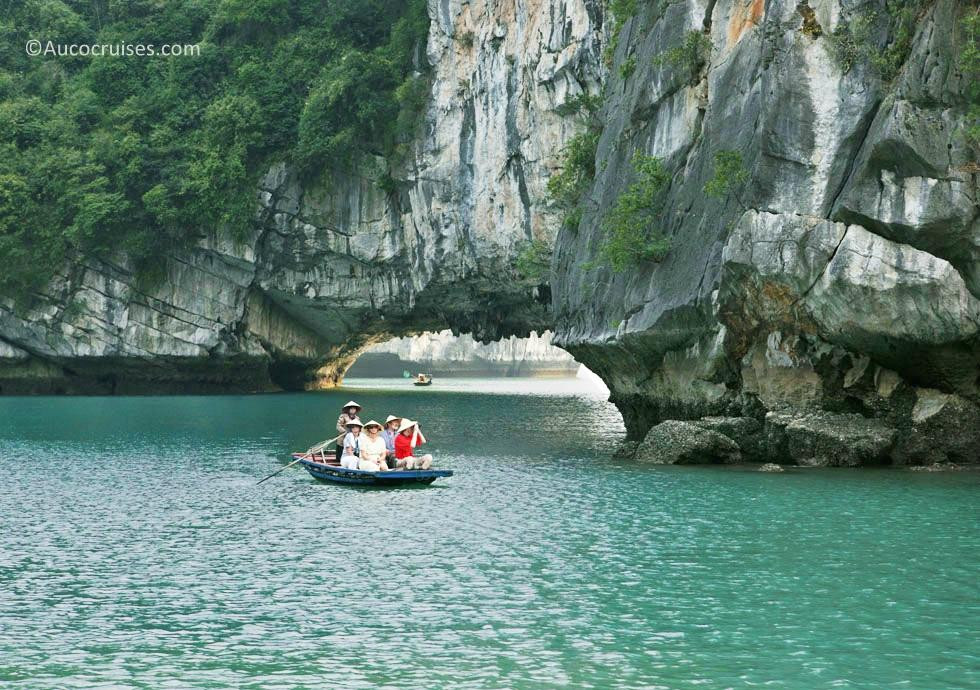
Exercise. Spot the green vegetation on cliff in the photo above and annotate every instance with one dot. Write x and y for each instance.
(728, 176)
(690, 56)
(628, 67)
(969, 62)
(144, 154)
(567, 187)
(855, 40)
(632, 233)
(619, 11)
(534, 262)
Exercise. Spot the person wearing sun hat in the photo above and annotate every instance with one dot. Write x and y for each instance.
(351, 448)
(373, 451)
(391, 430)
(409, 437)
(347, 413)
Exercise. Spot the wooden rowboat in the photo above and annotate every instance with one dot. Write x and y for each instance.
(325, 468)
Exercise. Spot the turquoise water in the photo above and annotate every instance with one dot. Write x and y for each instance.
(137, 551)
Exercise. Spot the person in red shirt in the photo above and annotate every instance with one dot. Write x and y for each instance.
(408, 438)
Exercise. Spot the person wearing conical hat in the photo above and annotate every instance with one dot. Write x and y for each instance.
(373, 451)
(409, 437)
(391, 430)
(351, 447)
(347, 413)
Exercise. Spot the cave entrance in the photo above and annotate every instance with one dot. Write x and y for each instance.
(444, 355)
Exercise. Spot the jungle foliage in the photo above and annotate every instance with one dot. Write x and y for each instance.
(969, 62)
(620, 11)
(145, 154)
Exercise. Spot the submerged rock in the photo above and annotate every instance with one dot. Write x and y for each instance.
(686, 443)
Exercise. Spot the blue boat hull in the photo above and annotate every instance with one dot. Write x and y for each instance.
(334, 473)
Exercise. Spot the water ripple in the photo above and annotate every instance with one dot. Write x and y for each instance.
(137, 551)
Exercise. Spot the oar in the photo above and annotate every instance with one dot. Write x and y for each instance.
(314, 449)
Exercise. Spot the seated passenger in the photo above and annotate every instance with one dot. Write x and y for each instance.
(373, 451)
(351, 445)
(410, 436)
(391, 430)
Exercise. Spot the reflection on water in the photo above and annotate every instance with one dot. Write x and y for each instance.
(136, 550)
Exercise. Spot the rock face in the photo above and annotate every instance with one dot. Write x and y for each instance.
(839, 274)
(334, 268)
(830, 440)
(685, 443)
(836, 287)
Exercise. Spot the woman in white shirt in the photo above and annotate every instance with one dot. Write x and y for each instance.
(352, 444)
(373, 449)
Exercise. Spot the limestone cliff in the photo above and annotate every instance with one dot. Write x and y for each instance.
(826, 307)
(838, 284)
(335, 267)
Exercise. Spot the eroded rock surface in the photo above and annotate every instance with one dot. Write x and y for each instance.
(836, 284)
(684, 443)
(822, 439)
(336, 266)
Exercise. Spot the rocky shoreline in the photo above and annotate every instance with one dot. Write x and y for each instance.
(816, 439)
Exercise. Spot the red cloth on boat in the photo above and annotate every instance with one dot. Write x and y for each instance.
(403, 446)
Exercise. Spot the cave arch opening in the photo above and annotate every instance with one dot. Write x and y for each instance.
(447, 355)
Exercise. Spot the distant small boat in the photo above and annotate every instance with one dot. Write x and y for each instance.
(327, 469)
(423, 380)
